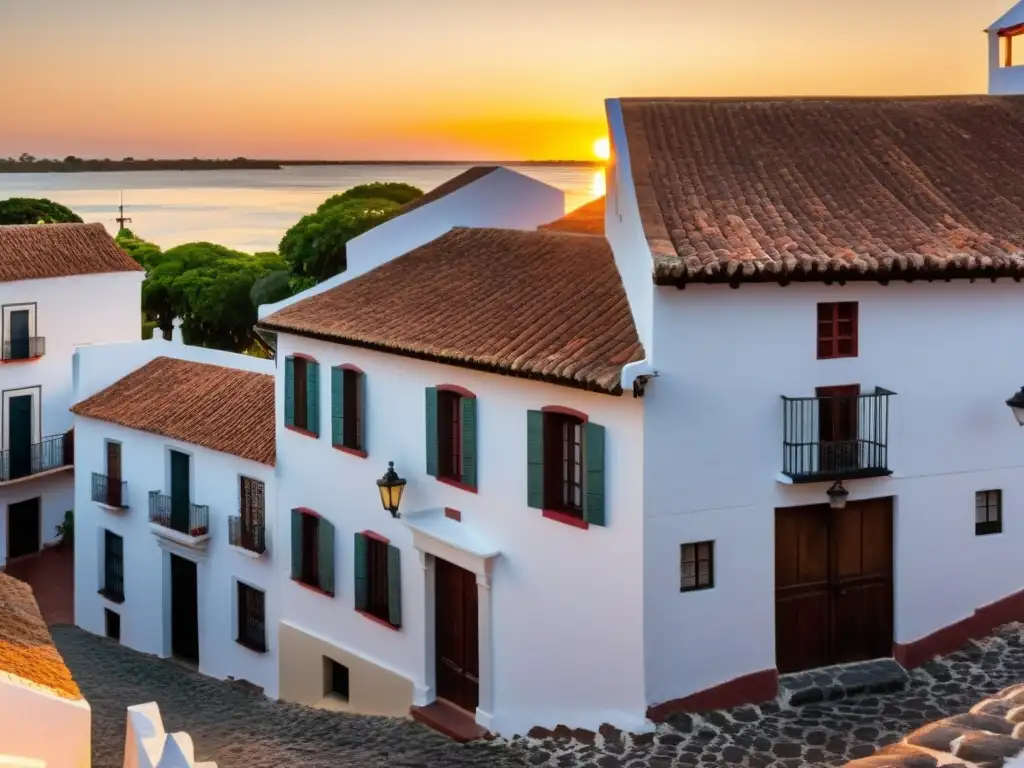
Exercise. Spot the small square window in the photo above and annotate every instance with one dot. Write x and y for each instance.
(837, 329)
(252, 631)
(113, 622)
(697, 566)
(335, 679)
(988, 512)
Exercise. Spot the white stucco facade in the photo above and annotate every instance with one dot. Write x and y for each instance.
(560, 607)
(1005, 80)
(64, 312)
(38, 724)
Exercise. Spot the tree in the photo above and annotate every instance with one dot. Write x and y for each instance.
(315, 247)
(271, 288)
(141, 250)
(35, 210)
(394, 191)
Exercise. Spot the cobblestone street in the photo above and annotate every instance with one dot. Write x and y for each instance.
(240, 729)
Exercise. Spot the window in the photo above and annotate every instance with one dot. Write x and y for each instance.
(301, 394)
(335, 679)
(697, 566)
(113, 567)
(251, 618)
(988, 512)
(837, 330)
(347, 394)
(251, 515)
(451, 436)
(112, 492)
(378, 579)
(312, 551)
(112, 619)
(565, 466)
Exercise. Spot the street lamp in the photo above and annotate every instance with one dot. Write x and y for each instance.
(1016, 404)
(837, 495)
(391, 487)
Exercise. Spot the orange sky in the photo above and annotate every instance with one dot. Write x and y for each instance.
(439, 79)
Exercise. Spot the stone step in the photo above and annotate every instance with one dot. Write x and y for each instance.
(840, 681)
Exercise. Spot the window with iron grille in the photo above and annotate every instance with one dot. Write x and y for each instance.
(697, 566)
(988, 512)
(251, 619)
(252, 514)
(449, 435)
(113, 567)
(563, 463)
(837, 329)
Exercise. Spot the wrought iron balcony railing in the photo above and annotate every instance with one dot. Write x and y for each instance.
(51, 452)
(248, 535)
(23, 349)
(836, 437)
(112, 491)
(177, 515)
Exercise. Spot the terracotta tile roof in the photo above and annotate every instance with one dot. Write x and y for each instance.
(822, 189)
(29, 252)
(464, 179)
(541, 305)
(26, 648)
(586, 220)
(224, 409)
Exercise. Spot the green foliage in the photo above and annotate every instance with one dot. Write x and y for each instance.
(141, 250)
(271, 288)
(66, 530)
(315, 247)
(35, 210)
(148, 326)
(394, 191)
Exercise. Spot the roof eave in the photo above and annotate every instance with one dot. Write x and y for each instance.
(588, 386)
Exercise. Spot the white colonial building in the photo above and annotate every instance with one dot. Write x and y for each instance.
(50, 276)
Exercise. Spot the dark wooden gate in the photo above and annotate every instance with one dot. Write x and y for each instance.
(23, 532)
(833, 584)
(184, 609)
(457, 635)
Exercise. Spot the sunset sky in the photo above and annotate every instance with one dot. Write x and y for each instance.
(439, 79)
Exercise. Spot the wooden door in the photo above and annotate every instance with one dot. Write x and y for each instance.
(19, 436)
(114, 474)
(23, 528)
(457, 635)
(184, 609)
(181, 491)
(838, 427)
(19, 335)
(833, 584)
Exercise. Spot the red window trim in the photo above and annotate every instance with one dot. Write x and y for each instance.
(838, 390)
(453, 514)
(311, 588)
(379, 620)
(375, 536)
(562, 517)
(460, 391)
(457, 484)
(301, 431)
(566, 412)
(350, 367)
(351, 451)
(306, 511)
(303, 356)
(23, 360)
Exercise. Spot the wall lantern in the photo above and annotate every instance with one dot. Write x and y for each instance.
(837, 495)
(391, 487)
(1016, 404)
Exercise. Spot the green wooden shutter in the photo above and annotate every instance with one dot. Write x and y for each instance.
(289, 391)
(432, 431)
(469, 441)
(313, 397)
(337, 406)
(360, 572)
(593, 491)
(325, 555)
(535, 459)
(296, 544)
(361, 411)
(394, 586)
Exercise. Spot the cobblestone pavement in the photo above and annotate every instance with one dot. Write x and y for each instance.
(240, 729)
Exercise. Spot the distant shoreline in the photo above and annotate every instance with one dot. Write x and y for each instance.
(245, 164)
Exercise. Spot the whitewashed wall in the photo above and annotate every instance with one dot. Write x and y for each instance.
(713, 449)
(567, 611)
(145, 624)
(56, 494)
(502, 198)
(36, 723)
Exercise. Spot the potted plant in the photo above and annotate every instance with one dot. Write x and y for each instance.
(66, 529)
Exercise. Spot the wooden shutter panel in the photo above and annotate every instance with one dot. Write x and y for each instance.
(361, 411)
(360, 572)
(593, 491)
(325, 555)
(432, 431)
(469, 441)
(394, 586)
(296, 544)
(289, 391)
(313, 397)
(535, 459)
(337, 406)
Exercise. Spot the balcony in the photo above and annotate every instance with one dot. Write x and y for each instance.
(27, 348)
(248, 534)
(179, 521)
(51, 454)
(110, 492)
(836, 437)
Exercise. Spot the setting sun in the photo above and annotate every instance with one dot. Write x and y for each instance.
(602, 148)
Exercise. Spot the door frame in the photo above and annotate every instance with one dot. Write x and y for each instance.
(167, 549)
(39, 525)
(33, 315)
(477, 561)
(37, 413)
